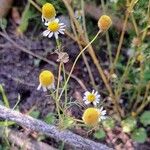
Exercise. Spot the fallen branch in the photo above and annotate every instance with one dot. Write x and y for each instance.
(66, 136)
(21, 140)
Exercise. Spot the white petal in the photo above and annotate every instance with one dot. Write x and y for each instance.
(95, 103)
(49, 87)
(86, 93)
(103, 117)
(101, 109)
(98, 96)
(42, 19)
(57, 20)
(61, 32)
(62, 27)
(87, 102)
(61, 24)
(56, 35)
(103, 112)
(93, 92)
(44, 88)
(50, 35)
(57, 32)
(96, 93)
(46, 23)
(46, 32)
(39, 87)
(52, 86)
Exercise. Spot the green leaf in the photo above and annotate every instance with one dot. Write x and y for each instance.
(67, 122)
(50, 118)
(6, 102)
(139, 135)
(3, 23)
(145, 118)
(108, 123)
(128, 124)
(100, 134)
(35, 114)
(26, 15)
(147, 75)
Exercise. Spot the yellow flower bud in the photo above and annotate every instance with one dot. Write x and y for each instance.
(104, 22)
(91, 116)
(46, 79)
(48, 11)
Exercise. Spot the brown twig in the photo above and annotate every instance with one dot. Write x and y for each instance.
(66, 136)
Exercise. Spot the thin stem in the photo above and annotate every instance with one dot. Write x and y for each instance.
(135, 24)
(57, 91)
(129, 10)
(139, 87)
(58, 80)
(145, 103)
(148, 22)
(120, 42)
(35, 5)
(64, 73)
(76, 62)
(84, 57)
(107, 37)
(123, 78)
(87, 39)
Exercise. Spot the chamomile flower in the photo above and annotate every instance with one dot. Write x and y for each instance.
(104, 22)
(91, 97)
(48, 12)
(54, 28)
(46, 79)
(92, 116)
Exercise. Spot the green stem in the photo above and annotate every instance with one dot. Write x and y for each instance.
(76, 62)
(107, 38)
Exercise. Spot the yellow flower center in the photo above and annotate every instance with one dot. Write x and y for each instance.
(53, 26)
(46, 78)
(91, 97)
(91, 116)
(48, 11)
(104, 22)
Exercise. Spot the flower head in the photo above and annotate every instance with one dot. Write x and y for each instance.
(46, 79)
(48, 12)
(104, 22)
(91, 97)
(54, 28)
(92, 116)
